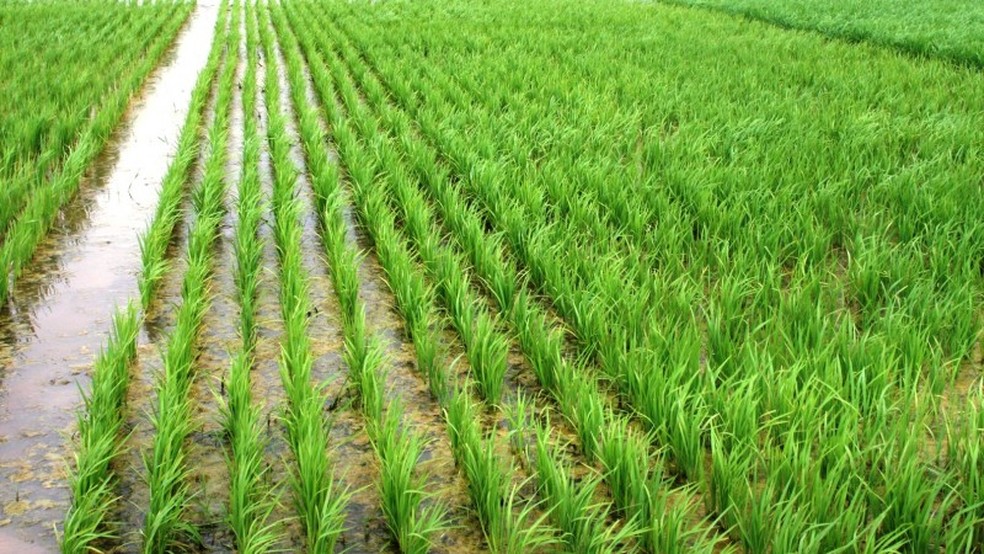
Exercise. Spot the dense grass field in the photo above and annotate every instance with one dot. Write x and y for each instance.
(545, 276)
(951, 29)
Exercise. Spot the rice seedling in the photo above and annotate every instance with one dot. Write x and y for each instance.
(165, 523)
(320, 503)
(251, 503)
(40, 210)
(100, 442)
(574, 506)
(510, 525)
(251, 500)
(414, 519)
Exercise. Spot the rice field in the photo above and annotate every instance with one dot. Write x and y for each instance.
(69, 71)
(511, 277)
(931, 28)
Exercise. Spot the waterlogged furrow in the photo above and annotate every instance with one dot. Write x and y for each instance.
(320, 502)
(173, 190)
(103, 419)
(42, 209)
(167, 521)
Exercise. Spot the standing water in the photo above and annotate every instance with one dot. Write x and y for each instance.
(60, 311)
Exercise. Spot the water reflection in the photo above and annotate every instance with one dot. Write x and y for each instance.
(58, 314)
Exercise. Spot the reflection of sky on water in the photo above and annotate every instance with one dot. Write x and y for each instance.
(60, 310)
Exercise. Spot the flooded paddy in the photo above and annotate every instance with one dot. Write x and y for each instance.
(59, 313)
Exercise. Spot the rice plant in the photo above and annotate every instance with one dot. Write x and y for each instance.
(320, 501)
(100, 442)
(165, 523)
(412, 514)
(43, 170)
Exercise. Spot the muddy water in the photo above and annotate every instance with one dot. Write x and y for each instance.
(59, 313)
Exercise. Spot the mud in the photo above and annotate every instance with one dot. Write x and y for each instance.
(351, 453)
(219, 336)
(60, 310)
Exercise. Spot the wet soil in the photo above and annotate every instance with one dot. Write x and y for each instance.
(60, 310)
(422, 413)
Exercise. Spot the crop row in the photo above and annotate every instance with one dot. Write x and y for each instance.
(45, 159)
(930, 28)
(609, 295)
(102, 422)
(252, 499)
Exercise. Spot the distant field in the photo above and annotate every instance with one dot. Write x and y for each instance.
(947, 28)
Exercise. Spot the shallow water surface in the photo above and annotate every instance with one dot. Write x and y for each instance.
(59, 313)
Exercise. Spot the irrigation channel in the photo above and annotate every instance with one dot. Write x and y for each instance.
(59, 314)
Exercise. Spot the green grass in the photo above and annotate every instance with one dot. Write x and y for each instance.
(936, 28)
